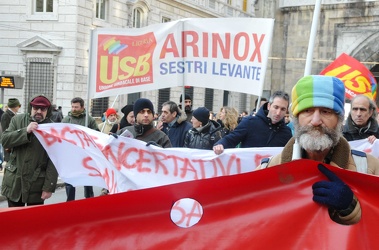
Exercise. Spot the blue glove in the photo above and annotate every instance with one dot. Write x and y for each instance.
(114, 135)
(334, 193)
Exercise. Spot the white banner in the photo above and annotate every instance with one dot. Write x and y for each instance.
(200, 52)
(85, 157)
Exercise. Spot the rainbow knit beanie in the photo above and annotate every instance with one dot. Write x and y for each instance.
(318, 91)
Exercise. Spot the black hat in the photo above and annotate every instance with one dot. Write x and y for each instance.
(13, 102)
(187, 97)
(127, 109)
(202, 115)
(141, 104)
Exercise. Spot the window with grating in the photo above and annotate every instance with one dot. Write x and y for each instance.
(225, 100)
(99, 106)
(132, 98)
(208, 102)
(163, 96)
(39, 78)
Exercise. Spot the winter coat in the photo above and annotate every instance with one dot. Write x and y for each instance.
(108, 127)
(341, 157)
(56, 116)
(152, 134)
(29, 170)
(5, 121)
(177, 132)
(80, 120)
(204, 137)
(189, 115)
(257, 131)
(352, 132)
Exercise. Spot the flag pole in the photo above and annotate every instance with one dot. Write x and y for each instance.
(312, 38)
(308, 63)
(89, 78)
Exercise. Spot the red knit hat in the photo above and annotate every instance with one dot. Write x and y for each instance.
(110, 111)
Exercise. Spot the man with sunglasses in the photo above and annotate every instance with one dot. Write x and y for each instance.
(361, 123)
(30, 176)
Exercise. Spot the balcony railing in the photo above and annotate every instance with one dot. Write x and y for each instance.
(219, 7)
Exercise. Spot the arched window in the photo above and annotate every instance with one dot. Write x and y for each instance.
(138, 18)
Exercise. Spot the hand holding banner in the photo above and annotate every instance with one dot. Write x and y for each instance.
(85, 157)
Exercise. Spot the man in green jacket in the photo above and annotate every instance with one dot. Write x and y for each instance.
(77, 115)
(30, 176)
(13, 106)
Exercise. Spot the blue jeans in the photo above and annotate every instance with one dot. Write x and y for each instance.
(70, 191)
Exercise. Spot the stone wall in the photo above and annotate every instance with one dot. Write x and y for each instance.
(344, 27)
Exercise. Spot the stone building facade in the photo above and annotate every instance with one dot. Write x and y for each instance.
(47, 42)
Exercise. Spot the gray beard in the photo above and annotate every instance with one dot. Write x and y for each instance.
(315, 141)
(317, 138)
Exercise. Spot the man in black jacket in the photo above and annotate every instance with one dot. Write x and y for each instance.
(361, 122)
(187, 106)
(265, 129)
(143, 128)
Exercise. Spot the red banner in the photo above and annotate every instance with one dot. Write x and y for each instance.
(356, 77)
(265, 209)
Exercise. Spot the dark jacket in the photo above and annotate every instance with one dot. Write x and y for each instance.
(189, 115)
(80, 120)
(29, 170)
(5, 121)
(352, 132)
(177, 132)
(258, 131)
(151, 134)
(204, 137)
(56, 116)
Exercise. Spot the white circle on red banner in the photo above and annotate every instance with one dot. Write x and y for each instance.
(186, 212)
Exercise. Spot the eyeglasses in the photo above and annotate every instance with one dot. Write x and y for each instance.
(43, 109)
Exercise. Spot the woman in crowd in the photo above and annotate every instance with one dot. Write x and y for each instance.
(204, 132)
(127, 120)
(228, 119)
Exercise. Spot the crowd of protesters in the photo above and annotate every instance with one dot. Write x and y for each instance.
(270, 124)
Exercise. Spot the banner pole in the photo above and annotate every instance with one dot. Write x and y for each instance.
(89, 78)
(184, 78)
(312, 38)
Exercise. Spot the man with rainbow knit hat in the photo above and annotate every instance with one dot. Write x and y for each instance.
(318, 113)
